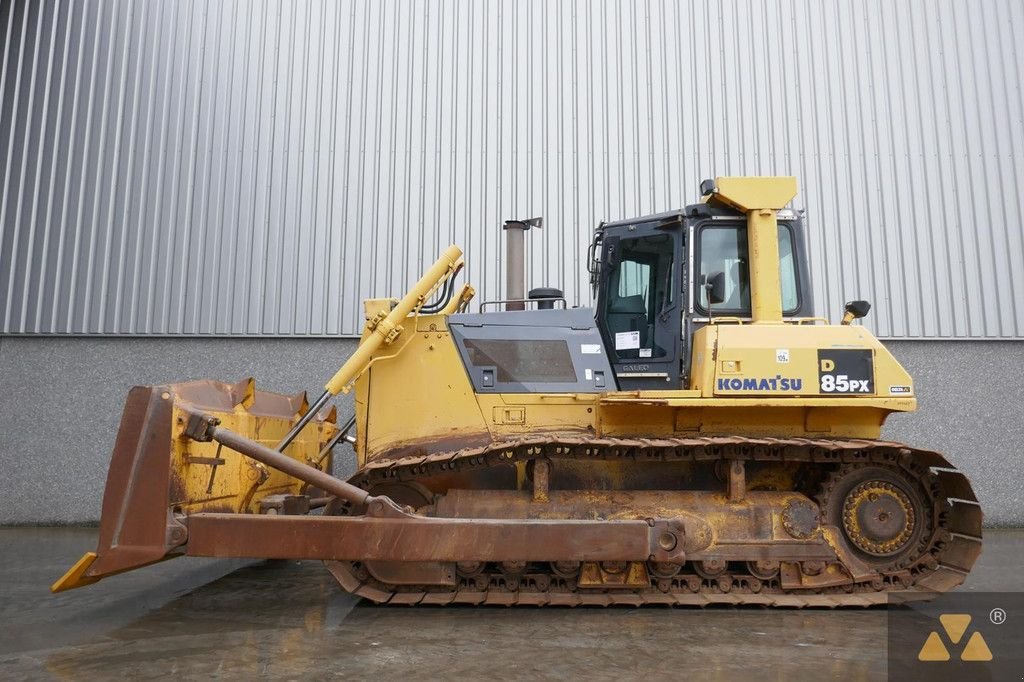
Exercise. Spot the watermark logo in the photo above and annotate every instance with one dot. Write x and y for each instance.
(955, 625)
(958, 636)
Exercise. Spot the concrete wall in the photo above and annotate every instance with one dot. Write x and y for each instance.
(61, 399)
(60, 402)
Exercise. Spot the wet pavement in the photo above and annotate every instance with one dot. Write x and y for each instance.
(201, 619)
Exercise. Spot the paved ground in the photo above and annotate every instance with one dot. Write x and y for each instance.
(193, 618)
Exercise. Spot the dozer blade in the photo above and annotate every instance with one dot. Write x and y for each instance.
(158, 476)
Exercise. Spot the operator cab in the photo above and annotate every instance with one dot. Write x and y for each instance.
(653, 277)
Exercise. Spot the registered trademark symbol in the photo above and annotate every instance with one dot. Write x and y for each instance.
(997, 616)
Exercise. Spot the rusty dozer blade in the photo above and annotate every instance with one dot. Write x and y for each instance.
(158, 476)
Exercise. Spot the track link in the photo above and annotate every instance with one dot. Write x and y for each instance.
(942, 562)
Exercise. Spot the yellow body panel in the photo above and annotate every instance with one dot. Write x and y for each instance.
(416, 395)
(239, 483)
(511, 414)
(748, 193)
(418, 399)
(738, 351)
(744, 417)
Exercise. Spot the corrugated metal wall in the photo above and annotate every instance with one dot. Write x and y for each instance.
(239, 167)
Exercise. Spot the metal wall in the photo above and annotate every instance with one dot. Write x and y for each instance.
(241, 167)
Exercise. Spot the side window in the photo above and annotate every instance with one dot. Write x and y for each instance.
(724, 249)
(787, 265)
(634, 280)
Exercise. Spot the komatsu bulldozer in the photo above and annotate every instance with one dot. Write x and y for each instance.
(698, 437)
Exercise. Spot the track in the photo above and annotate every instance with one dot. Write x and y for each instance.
(937, 561)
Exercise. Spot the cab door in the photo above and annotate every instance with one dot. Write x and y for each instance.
(639, 306)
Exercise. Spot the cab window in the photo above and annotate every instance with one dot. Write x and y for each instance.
(724, 249)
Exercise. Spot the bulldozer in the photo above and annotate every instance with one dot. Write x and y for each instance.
(696, 437)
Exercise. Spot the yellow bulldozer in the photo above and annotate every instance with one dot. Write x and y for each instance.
(698, 437)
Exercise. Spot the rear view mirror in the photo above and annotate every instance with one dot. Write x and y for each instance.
(857, 308)
(854, 310)
(715, 284)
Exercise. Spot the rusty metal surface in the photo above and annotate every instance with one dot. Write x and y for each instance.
(218, 396)
(800, 519)
(157, 476)
(541, 480)
(715, 528)
(415, 538)
(737, 481)
(134, 522)
(412, 572)
(832, 578)
(427, 460)
(367, 588)
(613, 574)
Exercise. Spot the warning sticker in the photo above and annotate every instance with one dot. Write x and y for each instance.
(590, 348)
(627, 340)
(644, 353)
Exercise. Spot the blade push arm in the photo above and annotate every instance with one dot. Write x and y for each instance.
(388, 531)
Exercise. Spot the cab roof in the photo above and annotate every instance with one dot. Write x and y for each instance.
(700, 210)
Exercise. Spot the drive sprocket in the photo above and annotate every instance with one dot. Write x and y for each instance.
(884, 514)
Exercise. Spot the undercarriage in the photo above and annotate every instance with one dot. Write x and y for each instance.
(783, 522)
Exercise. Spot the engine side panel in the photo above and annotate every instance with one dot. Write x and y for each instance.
(541, 351)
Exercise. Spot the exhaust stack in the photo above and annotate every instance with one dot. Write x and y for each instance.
(515, 257)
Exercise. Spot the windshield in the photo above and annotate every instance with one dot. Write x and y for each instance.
(724, 249)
